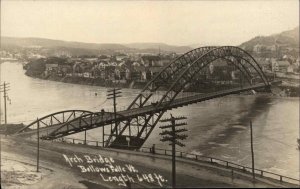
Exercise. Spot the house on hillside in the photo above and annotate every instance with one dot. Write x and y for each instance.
(264, 63)
(51, 67)
(257, 48)
(151, 60)
(297, 62)
(121, 57)
(127, 74)
(77, 69)
(283, 65)
(154, 71)
(140, 72)
(280, 65)
(120, 71)
(64, 69)
(109, 72)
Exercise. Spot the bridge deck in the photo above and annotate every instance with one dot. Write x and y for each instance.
(74, 126)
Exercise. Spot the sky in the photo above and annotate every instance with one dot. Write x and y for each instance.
(215, 22)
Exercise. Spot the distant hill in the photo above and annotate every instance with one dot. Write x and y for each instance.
(159, 46)
(50, 43)
(285, 42)
(77, 48)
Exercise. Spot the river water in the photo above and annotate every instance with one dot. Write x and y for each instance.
(217, 128)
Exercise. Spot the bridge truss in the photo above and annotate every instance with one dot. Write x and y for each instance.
(215, 71)
(177, 75)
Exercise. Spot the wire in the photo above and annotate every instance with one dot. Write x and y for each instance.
(100, 104)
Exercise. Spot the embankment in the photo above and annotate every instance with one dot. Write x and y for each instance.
(79, 166)
(289, 90)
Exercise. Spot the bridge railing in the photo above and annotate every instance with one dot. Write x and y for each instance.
(80, 141)
(223, 163)
(195, 157)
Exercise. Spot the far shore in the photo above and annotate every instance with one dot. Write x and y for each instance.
(140, 85)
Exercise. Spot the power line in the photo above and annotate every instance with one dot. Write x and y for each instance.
(100, 104)
(4, 88)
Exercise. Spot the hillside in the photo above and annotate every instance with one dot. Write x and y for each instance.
(77, 48)
(158, 46)
(284, 42)
(50, 43)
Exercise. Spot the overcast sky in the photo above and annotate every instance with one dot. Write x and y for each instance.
(172, 22)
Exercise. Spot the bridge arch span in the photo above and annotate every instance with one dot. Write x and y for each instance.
(54, 119)
(228, 53)
(85, 122)
(176, 75)
(166, 75)
(165, 78)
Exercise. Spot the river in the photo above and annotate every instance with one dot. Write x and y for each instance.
(217, 128)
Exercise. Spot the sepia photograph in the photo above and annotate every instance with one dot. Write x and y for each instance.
(128, 94)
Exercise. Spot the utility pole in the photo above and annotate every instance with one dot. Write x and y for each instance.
(172, 137)
(38, 146)
(114, 94)
(4, 88)
(252, 152)
(102, 114)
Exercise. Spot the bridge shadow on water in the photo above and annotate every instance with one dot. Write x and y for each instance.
(237, 126)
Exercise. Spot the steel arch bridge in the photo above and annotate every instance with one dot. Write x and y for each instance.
(216, 71)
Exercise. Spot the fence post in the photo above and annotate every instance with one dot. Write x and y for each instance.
(280, 178)
(211, 160)
(97, 143)
(261, 173)
(196, 157)
(73, 141)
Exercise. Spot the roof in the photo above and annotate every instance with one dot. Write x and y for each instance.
(155, 69)
(151, 58)
(264, 62)
(140, 68)
(120, 68)
(136, 64)
(283, 63)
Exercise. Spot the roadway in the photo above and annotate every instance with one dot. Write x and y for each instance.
(189, 173)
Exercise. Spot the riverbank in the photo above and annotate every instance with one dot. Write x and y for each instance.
(90, 81)
(283, 90)
(64, 165)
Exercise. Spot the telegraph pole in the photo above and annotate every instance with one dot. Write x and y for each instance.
(252, 152)
(114, 94)
(172, 137)
(102, 114)
(4, 88)
(38, 146)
